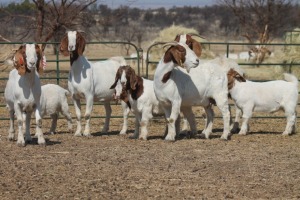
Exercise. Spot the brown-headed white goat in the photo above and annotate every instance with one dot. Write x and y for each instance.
(89, 80)
(268, 96)
(23, 93)
(175, 88)
(140, 95)
(225, 65)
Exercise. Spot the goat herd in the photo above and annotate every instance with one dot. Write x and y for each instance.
(174, 90)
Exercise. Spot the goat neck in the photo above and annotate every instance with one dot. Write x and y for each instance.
(73, 56)
(164, 70)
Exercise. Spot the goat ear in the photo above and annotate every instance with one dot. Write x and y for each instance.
(133, 80)
(39, 64)
(115, 84)
(239, 77)
(19, 62)
(177, 56)
(63, 47)
(234, 74)
(196, 47)
(80, 44)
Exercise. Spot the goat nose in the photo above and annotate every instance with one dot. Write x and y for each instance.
(197, 60)
(71, 47)
(31, 63)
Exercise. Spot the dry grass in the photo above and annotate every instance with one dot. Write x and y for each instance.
(261, 165)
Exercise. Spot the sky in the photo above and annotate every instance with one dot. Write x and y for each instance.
(145, 4)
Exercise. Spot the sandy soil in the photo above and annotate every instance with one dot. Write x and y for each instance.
(261, 165)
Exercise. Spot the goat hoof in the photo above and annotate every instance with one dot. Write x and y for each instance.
(42, 142)
(21, 144)
(78, 134)
(122, 132)
(169, 139)
(88, 135)
(143, 138)
(285, 133)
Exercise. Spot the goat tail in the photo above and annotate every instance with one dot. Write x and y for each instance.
(67, 93)
(291, 78)
(119, 59)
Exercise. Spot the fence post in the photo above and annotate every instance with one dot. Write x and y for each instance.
(57, 64)
(140, 53)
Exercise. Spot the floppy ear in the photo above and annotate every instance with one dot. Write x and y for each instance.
(239, 77)
(114, 84)
(19, 62)
(133, 80)
(80, 43)
(39, 64)
(196, 47)
(63, 47)
(116, 80)
(177, 55)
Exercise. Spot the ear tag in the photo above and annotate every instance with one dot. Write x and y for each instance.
(21, 61)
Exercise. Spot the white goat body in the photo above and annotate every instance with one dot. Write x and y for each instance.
(53, 101)
(268, 96)
(23, 92)
(89, 80)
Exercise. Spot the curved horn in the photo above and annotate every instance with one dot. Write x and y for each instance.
(173, 43)
(195, 34)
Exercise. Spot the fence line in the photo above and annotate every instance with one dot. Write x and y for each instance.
(208, 45)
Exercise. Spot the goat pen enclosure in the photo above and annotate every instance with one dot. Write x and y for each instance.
(57, 68)
(261, 165)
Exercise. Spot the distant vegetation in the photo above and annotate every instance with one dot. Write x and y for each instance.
(100, 22)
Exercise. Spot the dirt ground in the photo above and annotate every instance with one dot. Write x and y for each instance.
(261, 165)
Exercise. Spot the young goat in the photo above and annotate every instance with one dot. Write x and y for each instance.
(141, 97)
(89, 80)
(174, 88)
(23, 93)
(268, 96)
(54, 100)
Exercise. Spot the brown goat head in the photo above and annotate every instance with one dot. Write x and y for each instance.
(20, 62)
(175, 53)
(134, 83)
(233, 75)
(192, 43)
(80, 44)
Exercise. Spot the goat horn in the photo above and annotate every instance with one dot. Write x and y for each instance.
(173, 43)
(195, 34)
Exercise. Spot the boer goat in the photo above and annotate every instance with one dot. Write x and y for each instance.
(225, 64)
(89, 80)
(268, 96)
(53, 101)
(23, 92)
(176, 89)
(141, 96)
